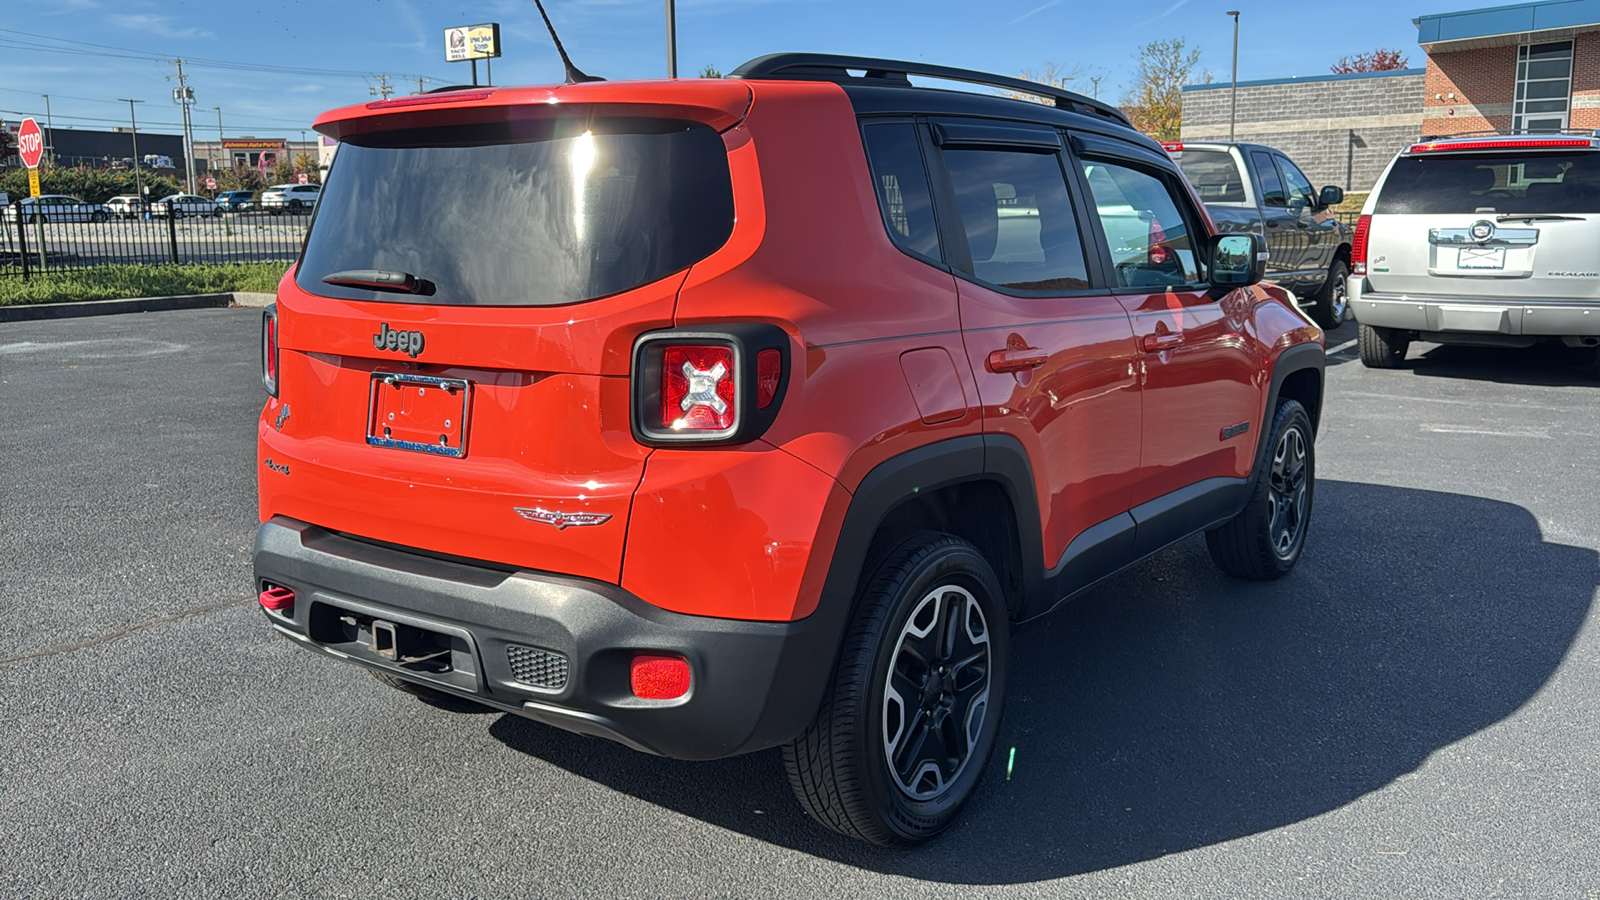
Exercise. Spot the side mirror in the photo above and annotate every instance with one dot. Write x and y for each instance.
(1331, 196)
(1238, 260)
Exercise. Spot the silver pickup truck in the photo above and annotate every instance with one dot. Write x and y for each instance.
(1250, 187)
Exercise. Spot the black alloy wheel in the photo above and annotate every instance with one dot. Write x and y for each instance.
(1266, 539)
(913, 713)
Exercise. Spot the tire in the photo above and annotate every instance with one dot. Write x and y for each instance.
(840, 767)
(98, 217)
(1382, 348)
(1265, 540)
(37, 218)
(177, 213)
(294, 207)
(1332, 302)
(217, 213)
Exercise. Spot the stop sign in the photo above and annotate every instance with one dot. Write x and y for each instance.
(30, 143)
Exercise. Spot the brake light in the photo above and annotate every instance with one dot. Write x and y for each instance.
(1160, 254)
(1512, 144)
(698, 390)
(659, 676)
(431, 99)
(1358, 246)
(1172, 146)
(769, 371)
(269, 350)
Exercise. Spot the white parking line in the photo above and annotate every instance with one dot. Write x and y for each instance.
(1342, 347)
(1452, 429)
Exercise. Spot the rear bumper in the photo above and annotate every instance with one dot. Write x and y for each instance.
(754, 684)
(1474, 315)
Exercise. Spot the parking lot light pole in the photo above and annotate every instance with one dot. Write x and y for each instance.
(672, 40)
(50, 131)
(1233, 111)
(222, 152)
(138, 182)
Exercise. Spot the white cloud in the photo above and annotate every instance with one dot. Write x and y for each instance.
(165, 26)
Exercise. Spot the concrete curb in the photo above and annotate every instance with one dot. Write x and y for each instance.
(37, 311)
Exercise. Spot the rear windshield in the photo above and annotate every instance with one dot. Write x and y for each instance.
(1501, 183)
(1214, 174)
(522, 213)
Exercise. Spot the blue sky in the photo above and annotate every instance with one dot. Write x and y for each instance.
(273, 66)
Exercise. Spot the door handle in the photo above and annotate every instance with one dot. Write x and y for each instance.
(1016, 359)
(1163, 340)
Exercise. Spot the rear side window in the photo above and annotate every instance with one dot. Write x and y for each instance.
(1491, 182)
(522, 213)
(1267, 181)
(901, 181)
(1018, 219)
(1214, 174)
(1149, 239)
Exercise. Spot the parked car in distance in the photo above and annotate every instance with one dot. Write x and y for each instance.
(180, 206)
(900, 366)
(126, 206)
(237, 201)
(58, 208)
(1490, 240)
(1251, 187)
(290, 198)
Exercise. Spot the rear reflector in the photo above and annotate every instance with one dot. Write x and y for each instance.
(1513, 144)
(769, 371)
(278, 599)
(659, 676)
(1358, 246)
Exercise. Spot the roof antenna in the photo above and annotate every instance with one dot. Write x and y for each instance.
(574, 74)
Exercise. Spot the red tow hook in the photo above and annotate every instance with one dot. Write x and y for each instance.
(278, 599)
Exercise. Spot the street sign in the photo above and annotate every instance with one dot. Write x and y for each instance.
(303, 178)
(30, 143)
(33, 182)
(211, 184)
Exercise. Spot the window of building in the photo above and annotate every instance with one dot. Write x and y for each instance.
(1544, 87)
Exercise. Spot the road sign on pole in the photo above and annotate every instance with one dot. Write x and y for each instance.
(30, 143)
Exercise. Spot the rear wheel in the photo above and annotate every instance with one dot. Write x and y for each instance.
(1333, 303)
(1382, 348)
(98, 217)
(908, 724)
(1264, 541)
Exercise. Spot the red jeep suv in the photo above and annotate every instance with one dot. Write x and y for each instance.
(709, 416)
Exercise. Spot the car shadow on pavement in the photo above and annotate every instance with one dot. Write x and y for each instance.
(1174, 707)
(1545, 365)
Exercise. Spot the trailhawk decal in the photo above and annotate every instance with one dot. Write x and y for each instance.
(561, 520)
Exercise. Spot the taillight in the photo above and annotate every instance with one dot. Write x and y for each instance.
(269, 349)
(1509, 144)
(719, 386)
(1358, 246)
(1160, 254)
(658, 676)
(698, 389)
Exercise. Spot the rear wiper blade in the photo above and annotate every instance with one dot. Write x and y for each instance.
(382, 280)
(1536, 217)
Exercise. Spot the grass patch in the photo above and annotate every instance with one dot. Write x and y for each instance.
(1352, 202)
(121, 282)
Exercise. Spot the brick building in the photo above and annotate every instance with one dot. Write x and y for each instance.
(1528, 67)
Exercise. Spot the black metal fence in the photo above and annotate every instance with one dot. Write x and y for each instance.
(29, 247)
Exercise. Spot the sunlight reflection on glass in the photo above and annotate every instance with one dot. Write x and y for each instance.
(583, 154)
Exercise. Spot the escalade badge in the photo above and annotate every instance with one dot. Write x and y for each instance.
(1482, 230)
(561, 519)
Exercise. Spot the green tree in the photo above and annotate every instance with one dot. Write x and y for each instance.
(710, 72)
(89, 185)
(1154, 102)
(1380, 60)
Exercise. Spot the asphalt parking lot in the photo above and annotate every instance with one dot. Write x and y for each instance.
(1414, 712)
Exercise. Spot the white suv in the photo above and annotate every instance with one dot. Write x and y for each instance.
(295, 198)
(1487, 240)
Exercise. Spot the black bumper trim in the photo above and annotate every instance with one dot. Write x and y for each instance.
(755, 684)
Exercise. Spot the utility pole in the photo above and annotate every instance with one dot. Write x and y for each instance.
(50, 131)
(222, 152)
(420, 80)
(1095, 80)
(138, 182)
(383, 89)
(185, 98)
(672, 40)
(1233, 111)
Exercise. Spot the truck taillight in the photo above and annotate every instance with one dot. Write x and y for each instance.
(269, 350)
(1358, 246)
(715, 386)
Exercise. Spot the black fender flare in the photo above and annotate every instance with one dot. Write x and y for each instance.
(1297, 358)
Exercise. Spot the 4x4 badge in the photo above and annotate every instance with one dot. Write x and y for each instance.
(561, 519)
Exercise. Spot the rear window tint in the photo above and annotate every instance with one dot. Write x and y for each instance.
(1501, 183)
(522, 213)
(1214, 174)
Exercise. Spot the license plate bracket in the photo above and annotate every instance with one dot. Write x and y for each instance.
(1481, 258)
(420, 413)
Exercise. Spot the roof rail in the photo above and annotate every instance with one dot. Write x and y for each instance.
(894, 73)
